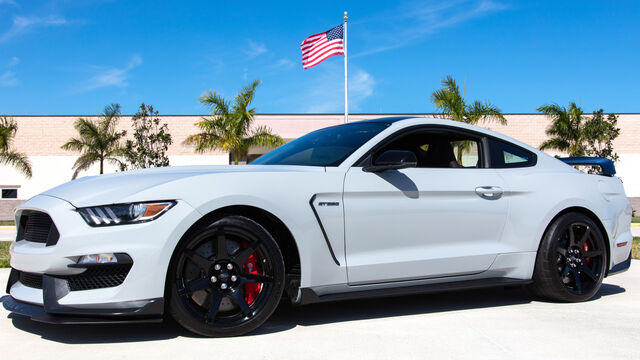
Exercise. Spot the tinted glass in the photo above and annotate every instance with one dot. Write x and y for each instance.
(325, 147)
(504, 155)
(438, 149)
(9, 193)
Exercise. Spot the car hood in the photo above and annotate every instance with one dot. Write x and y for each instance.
(113, 188)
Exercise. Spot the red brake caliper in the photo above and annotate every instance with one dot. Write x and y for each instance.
(586, 248)
(251, 266)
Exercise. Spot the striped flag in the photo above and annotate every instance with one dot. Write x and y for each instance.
(319, 47)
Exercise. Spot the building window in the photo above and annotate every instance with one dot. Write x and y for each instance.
(9, 193)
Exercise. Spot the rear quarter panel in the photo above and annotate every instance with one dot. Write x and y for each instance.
(538, 194)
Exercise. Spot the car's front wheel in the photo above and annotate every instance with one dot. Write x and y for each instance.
(225, 279)
(571, 260)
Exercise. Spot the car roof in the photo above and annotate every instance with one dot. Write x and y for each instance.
(417, 120)
(388, 119)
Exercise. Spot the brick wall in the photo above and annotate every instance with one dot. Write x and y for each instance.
(635, 204)
(43, 135)
(6, 208)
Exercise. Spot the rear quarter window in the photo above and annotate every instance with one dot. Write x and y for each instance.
(504, 155)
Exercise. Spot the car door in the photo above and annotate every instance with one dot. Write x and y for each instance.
(422, 222)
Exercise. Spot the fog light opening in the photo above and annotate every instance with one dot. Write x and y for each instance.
(107, 258)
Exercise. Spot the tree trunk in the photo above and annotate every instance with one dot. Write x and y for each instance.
(101, 166)
(235, 157)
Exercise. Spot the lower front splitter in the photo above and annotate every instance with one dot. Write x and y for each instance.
(37, 313)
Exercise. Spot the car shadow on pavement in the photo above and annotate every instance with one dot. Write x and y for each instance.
(287, 317)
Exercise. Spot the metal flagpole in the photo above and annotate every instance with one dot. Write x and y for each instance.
(346, 88)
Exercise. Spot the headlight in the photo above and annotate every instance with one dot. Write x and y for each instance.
(119, 214)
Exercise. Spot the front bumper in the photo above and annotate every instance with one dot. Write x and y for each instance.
(138, 297)
(55, 288)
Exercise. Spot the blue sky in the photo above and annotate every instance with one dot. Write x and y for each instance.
(74, 57)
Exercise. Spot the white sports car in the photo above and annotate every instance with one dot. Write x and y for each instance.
(371, 208)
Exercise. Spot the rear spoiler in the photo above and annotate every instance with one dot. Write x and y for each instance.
(606, 165)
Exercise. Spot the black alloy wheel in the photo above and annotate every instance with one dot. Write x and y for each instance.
(226, 279)
(571, 261)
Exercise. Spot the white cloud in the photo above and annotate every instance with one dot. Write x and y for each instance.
(255, 49)
(417, 20)
(13, 62)
(326, 92)
(284, 63)
(23, 24)
(8, 78)
(112, 76)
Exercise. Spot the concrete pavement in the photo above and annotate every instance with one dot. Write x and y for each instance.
(490, 323)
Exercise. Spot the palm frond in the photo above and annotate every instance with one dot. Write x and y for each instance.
(74, 145)
(84, 162)
(18, 160)
(486, 111)
(8, 129)
(204, 142)
(219, 106)
(262, 136)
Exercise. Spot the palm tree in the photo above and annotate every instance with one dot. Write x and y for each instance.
(229, 126)
(8, 156)
(98, 141)
(454, 106)
(567, 130)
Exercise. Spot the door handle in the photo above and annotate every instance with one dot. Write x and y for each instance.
(489, 192)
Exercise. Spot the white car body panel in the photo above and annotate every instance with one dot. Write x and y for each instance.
(464, 237)
(435, 226)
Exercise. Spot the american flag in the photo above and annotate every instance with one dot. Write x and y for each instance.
(319, 47)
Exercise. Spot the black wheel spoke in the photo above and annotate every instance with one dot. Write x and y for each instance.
(238, 299)
(221, 248)
(589, 254)
(254, 278)
(201, 261)
(576, 277)
(214, 305)
(572, 236)
(198, 284)
(588, 272)
(584, 238)
(562, 251)
(244, 255)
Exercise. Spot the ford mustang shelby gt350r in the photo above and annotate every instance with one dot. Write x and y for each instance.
(371, 208)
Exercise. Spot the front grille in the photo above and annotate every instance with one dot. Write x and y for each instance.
(31, 280)
(36, 226)
(99, 277)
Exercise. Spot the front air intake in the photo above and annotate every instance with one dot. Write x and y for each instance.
(37, 226)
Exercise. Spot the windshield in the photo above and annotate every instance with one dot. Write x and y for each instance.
(324, 147)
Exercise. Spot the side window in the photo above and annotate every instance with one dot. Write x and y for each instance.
(466, 152)
(504, 155)
(439, 149)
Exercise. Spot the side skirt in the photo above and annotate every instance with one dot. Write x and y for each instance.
(308, 296)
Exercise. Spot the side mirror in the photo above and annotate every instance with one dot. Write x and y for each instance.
(393, 160)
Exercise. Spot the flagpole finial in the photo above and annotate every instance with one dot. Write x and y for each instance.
(345, 16)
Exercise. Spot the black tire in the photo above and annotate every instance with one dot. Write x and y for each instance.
(243, 284)
(571, 260)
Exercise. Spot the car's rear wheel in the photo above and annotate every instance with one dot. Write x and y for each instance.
(226, 279)
(571, 260)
